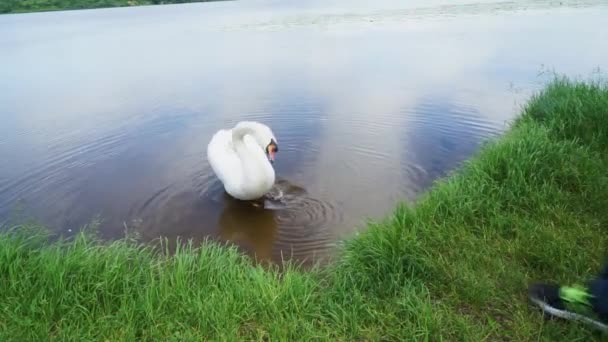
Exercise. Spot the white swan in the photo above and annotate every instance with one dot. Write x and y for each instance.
(241, 158)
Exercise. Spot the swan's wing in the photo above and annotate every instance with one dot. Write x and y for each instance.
(250, 142)
(223, 158)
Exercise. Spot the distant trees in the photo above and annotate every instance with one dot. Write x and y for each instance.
(7, 5)
(16, 6)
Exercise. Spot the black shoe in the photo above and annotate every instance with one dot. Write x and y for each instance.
(551, 299)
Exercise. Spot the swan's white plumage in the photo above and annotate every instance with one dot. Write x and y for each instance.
(242, 165)
(224, 161)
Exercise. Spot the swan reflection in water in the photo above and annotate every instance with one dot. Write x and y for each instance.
(250, 226)
(287, 224)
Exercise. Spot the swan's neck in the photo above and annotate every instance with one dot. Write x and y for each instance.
(257, 170)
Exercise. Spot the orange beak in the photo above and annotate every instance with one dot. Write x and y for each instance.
(272, 151)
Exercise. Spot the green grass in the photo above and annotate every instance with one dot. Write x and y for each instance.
(530, 206)
(22, 6)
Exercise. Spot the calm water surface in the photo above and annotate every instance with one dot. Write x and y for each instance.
(107, 113)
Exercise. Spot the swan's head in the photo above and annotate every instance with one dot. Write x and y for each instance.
(267, 141)
(263, 136)
(271, 150)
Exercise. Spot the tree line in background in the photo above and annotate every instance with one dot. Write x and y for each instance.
(20, 6)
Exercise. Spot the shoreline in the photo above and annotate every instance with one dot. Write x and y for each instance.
(530, 205)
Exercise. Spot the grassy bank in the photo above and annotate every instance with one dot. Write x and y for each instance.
(456, 266)
(22, 6)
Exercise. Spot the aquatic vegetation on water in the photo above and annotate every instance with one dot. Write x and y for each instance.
(529, 206)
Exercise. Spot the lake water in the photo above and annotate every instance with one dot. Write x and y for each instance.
(107, 113)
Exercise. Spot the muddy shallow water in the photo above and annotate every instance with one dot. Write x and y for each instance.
(107, 113)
